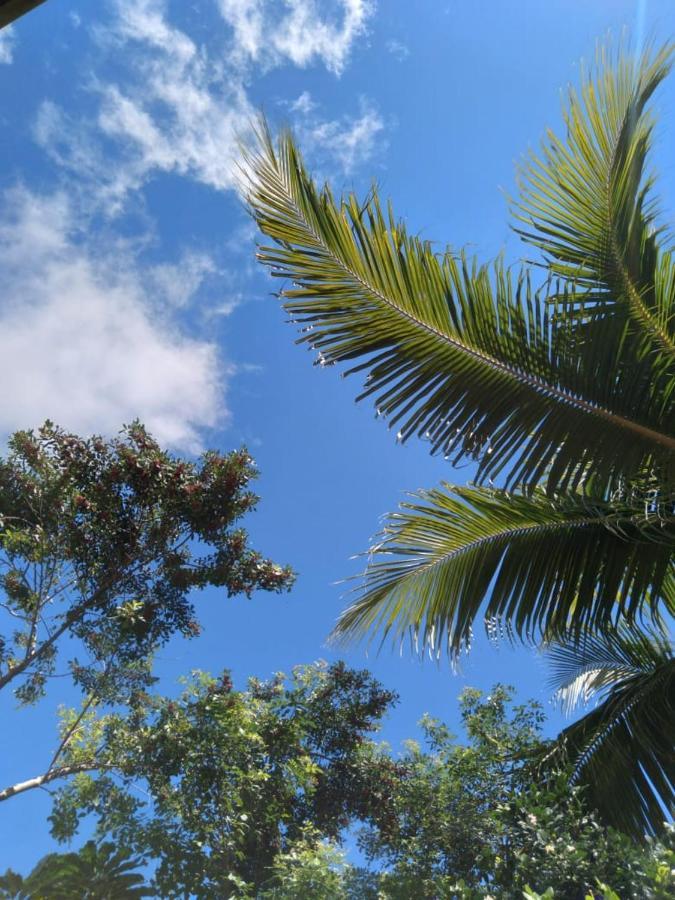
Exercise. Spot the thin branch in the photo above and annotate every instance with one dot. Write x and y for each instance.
(76, 613)
(14, 671)
(68, 736)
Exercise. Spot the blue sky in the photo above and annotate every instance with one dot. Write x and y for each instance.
(130, 289)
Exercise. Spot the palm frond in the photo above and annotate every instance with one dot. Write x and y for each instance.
(583, 669)
(461, 354)
(540, 565)
(94, 871)
(586, 203)
(622, 752)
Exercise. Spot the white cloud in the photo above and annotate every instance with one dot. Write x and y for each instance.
(228, 304)
(397, 49)
(303, 105)
(247, 19)
(75, 146)
(178, 111)
(183, 109)
(90, 336)
(194, 131)
(177, 283)
(82, 339)
(349, 141)
(6, 45)
(145, 21)
(302, 31)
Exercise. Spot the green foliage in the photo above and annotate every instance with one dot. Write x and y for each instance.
(587, 204)
(95, 872)
(541, 565)
(478, 365)
(558, 381)
(102, 544)
(549, 893)
(628, 738)
(234, 779)
(309, 868)
(252, 794)
(660, 865)
(483, 817)
(461, 354)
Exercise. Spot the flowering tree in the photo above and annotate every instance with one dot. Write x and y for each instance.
(102, 544)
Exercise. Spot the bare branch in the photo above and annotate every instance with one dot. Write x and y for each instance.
(40, 780)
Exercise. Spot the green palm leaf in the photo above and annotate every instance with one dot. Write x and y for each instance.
(457, 353)
(567, 394)
(540, 565)
(95, 872)
(622, 751)
(586, 203)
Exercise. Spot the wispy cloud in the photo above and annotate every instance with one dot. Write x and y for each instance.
(183, 108)
(177, 111)
(6, 45)
(301, 31)
(303, 105)
(177, 283)
(347, 142)
(82, 339)
(397, 49)
(341, 145)
(93, 335)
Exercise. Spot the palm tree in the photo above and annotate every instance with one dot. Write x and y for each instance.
(95, 872)
(559, 381)
(622, 750)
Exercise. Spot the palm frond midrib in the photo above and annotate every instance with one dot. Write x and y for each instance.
(486, 540)
(620, 709)
(633, 293)
(533, 382)
(602, 162)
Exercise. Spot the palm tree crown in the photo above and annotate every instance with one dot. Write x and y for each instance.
(559, 381)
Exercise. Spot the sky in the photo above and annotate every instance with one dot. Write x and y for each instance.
(129, 287)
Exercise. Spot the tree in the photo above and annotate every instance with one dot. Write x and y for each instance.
(558, 381)
(101, 545)
(95, 872)
(252, 794)
(478, 818)
(234, 780)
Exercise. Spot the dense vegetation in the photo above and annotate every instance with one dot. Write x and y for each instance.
(255, 793)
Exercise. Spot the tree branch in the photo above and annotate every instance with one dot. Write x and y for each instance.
(40, 780)
(16, 670)
(70, 732)
(75, 613)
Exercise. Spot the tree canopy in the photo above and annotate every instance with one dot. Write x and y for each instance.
(102, 546)
(264, 792)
